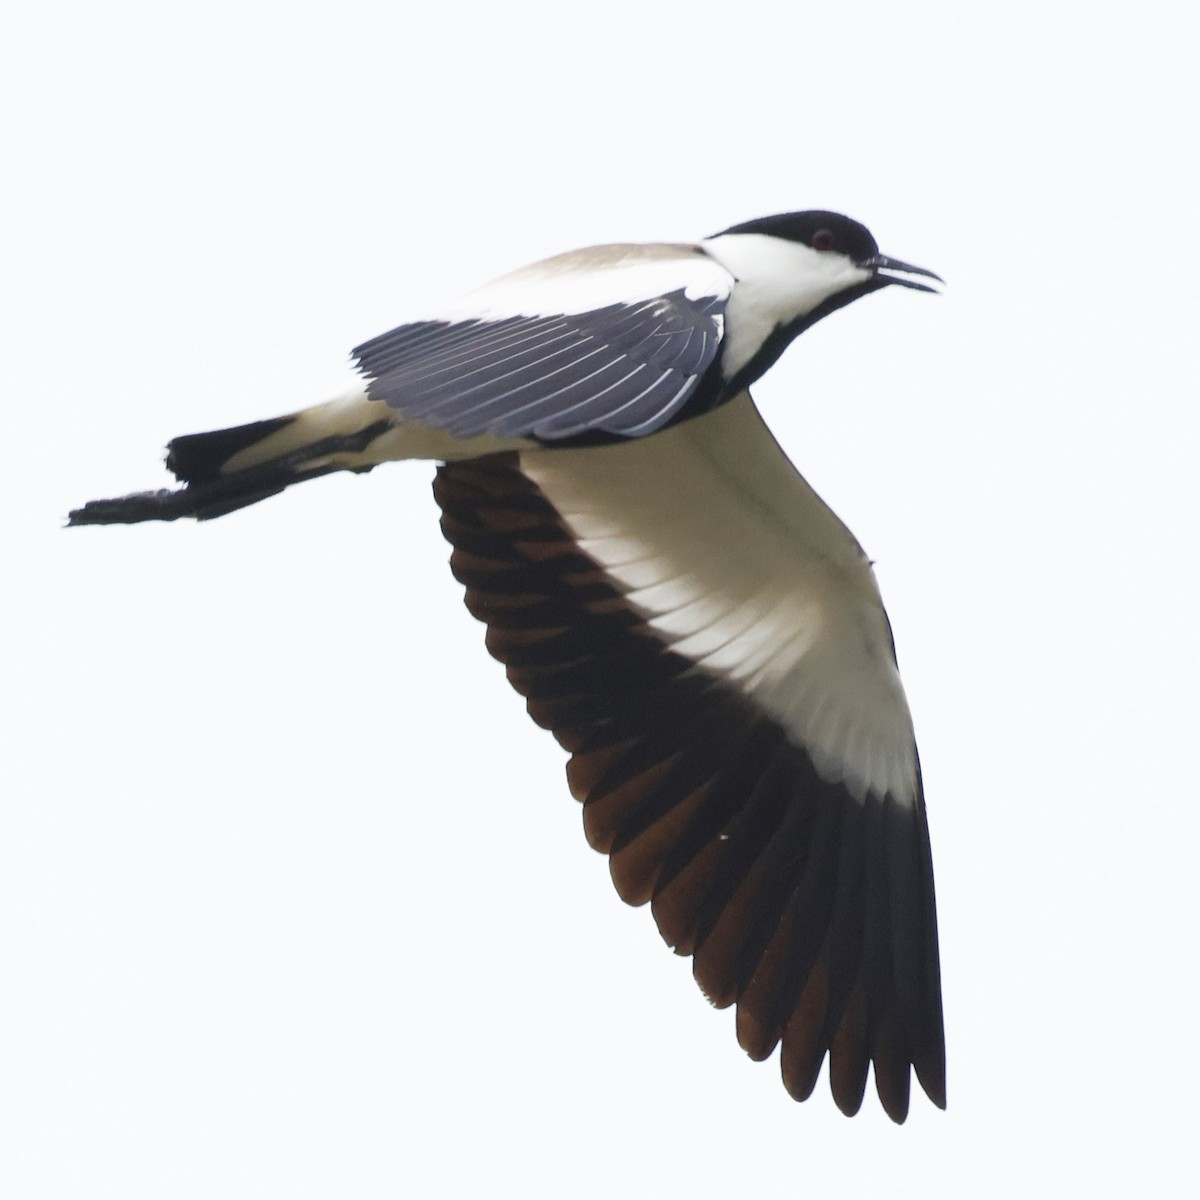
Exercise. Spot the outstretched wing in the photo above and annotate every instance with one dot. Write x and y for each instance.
(609, 340)
(706, 639)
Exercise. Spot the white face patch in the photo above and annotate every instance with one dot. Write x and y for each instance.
(735, 562)
(777, 282)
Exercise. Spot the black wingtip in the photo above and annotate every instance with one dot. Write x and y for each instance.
(931, 1074)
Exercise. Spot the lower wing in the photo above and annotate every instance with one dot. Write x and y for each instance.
(706, 639)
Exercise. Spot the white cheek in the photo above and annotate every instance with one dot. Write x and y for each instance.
(777, 282)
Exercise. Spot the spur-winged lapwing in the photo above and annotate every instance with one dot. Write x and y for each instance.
(700, 632)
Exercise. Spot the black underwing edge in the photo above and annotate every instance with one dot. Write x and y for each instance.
(842, 902)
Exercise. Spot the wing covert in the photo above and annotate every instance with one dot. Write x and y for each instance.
(622, 367)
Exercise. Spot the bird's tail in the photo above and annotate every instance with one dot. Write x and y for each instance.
(228, 469)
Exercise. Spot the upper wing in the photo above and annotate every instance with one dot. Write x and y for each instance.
(610, 340)
(707, 640)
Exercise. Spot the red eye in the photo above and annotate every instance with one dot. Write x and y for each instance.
(823, 239)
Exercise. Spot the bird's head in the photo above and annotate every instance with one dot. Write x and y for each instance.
(792, 269)
(832, 249)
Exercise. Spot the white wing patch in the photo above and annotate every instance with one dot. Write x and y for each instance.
(736, 563)
(582, 281)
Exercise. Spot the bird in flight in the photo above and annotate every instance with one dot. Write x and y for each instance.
(696, 627)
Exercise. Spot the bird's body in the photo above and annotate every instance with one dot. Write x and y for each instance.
(699, 630)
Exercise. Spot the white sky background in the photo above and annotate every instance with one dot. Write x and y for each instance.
(293, 898)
